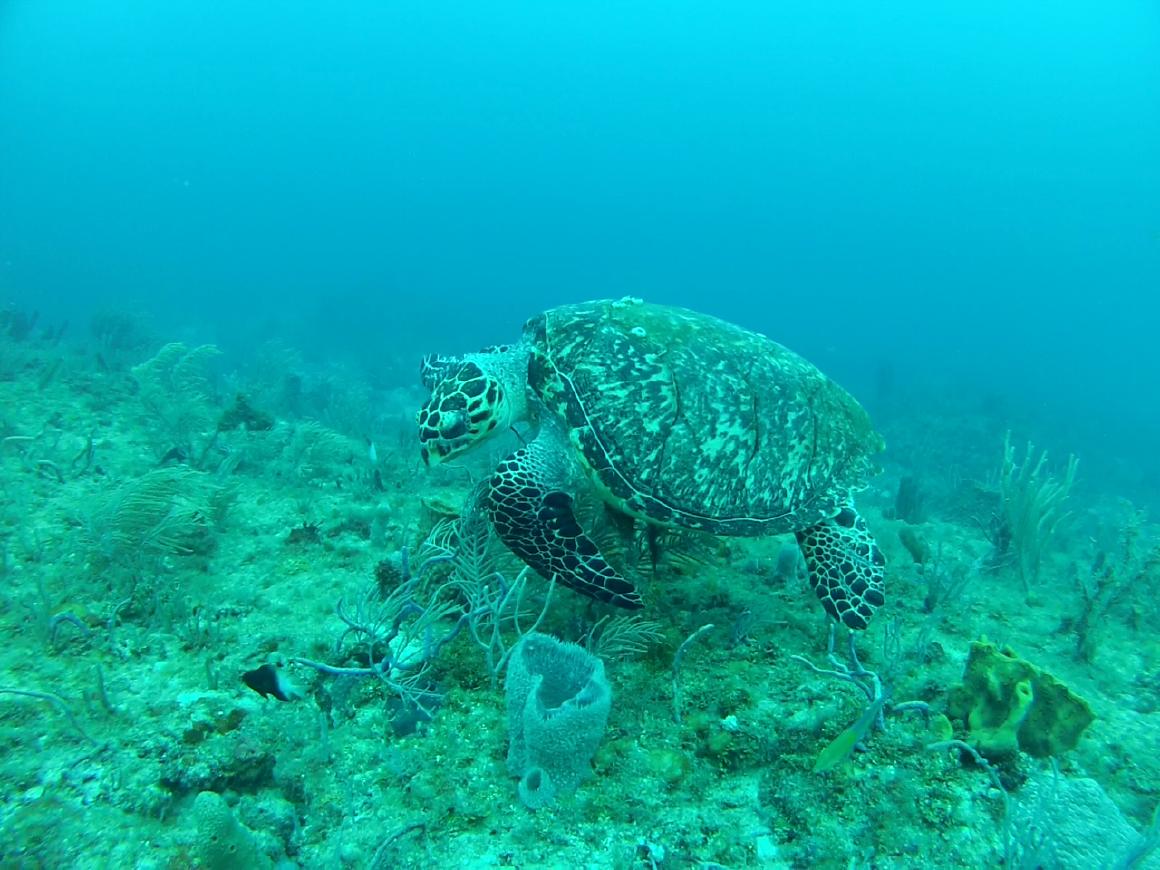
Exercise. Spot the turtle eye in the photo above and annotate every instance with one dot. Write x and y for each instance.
(454, 425)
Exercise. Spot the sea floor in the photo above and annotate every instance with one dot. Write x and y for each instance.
(172, 521)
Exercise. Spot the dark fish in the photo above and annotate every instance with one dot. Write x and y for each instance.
(269, 681)
(175, 455)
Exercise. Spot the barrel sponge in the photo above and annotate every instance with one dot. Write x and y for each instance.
(222, 843)
(557, 708)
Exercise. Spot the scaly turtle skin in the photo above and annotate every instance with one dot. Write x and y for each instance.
(674, 418)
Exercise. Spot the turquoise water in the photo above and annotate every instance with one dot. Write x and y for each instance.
(228, 235)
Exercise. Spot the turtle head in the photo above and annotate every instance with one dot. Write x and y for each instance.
(467, 405)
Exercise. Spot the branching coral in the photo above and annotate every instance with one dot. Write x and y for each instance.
(1032, 507)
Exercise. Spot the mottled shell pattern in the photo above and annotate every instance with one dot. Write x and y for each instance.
(685, 419)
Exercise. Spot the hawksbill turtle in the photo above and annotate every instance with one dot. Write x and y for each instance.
(674, 418)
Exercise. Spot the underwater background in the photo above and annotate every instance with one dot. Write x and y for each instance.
(230, 232)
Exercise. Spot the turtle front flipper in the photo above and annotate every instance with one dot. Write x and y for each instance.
(846, 567)
(534, 516)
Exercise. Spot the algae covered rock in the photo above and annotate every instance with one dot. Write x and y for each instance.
(1008, 704)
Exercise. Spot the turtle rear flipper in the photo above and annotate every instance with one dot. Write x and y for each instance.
(846, 567)
(535, 518)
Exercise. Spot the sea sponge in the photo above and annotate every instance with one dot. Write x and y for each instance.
(222, 842)
(1008, 704)
(558, 701)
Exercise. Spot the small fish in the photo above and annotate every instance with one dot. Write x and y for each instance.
(842, 745)
(175, 456)
(269, 680)
(373, 453)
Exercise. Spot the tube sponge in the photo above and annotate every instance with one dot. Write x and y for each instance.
(557, 708)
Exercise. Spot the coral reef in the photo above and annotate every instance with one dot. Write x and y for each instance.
(161, 537)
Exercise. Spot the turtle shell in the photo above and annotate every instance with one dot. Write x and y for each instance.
(688, 420)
